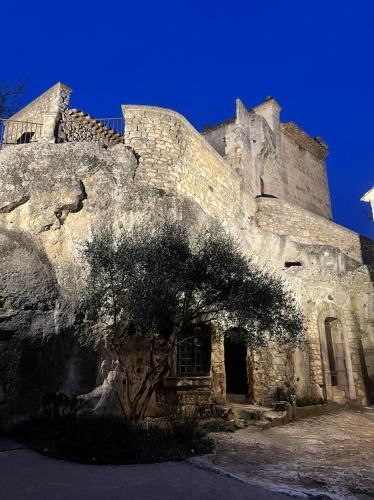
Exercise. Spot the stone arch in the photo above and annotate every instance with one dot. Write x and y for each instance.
(336, 360)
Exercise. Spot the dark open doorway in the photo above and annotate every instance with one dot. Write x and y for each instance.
(236, 369)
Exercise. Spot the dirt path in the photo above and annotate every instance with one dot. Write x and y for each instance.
(330, 454)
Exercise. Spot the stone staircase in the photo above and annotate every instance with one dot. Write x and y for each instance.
(79, 126)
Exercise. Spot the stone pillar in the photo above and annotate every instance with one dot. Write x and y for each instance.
(49, 127)
(218, 368)
(270, 110)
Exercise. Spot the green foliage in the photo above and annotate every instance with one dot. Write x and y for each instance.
(286, 392)
(160, 192)
(159, 280)
(218, 425)
(109, 440)
(58, 405)
(10, 97)
(309, 401)
(160, 283)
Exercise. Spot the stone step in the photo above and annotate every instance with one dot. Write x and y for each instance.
(261, 417)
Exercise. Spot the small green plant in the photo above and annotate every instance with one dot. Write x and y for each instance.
(57, 404)
(309, 401)
(182, 420)
(217, 425)
(286, 392)
(160, 192)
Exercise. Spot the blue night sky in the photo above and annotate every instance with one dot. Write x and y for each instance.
(314, 57)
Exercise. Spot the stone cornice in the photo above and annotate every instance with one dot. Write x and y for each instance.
(315, 146)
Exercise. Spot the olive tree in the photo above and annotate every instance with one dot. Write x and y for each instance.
(159, 282)
(10, 95)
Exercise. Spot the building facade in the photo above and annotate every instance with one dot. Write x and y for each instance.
(264, 180)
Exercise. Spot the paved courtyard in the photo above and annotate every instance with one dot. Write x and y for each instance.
(331, 454)
(327, 456)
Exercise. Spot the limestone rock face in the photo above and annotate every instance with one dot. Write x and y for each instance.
(52, 200)
(53, 197)
(29, 289)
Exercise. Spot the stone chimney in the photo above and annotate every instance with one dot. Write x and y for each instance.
(270, 110)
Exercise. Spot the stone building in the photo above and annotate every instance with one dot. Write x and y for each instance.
(369, 197)
(64, 173)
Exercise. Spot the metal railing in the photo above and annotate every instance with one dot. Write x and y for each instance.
(115, 124)
(78, 126)
(18, 132)
(106, 130)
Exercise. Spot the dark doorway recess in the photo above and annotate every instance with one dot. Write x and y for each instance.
(236, 367)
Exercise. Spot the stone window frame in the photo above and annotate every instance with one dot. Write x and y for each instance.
(194, 354)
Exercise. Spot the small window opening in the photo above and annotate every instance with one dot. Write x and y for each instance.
(291, 263)
(194, 353)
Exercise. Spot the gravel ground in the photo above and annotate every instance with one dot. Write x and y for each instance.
(331, 455)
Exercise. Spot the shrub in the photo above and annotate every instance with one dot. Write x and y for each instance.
(182, 421)
(217, 425)
(309, 401)
(108, 439)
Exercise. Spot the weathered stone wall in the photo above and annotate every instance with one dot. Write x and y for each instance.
(331, 279)
(38, 120)
(327, 282)
(56, 195)
(305, 227)
(305, 168)
(273, 158)
(174, 157)
(54, 100)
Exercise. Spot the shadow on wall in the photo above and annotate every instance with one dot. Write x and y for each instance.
(367, 351)
(57, 365)
(367, 250)
(29, 364)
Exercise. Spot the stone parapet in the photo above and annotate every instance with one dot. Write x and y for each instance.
(173, 156)
(305, 227)
(315, 146)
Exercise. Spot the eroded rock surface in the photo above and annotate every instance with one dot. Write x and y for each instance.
(54, 198)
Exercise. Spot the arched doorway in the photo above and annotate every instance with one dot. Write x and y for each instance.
(334, 360)
(236, 371)
(335, 349)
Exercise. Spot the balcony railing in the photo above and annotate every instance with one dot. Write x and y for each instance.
(19, 132)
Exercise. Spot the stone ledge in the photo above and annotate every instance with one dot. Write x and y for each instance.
(315, 146)
(187, 382)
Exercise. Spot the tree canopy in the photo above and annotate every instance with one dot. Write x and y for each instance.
(160, 279)
(159, 283)
(10, 97)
